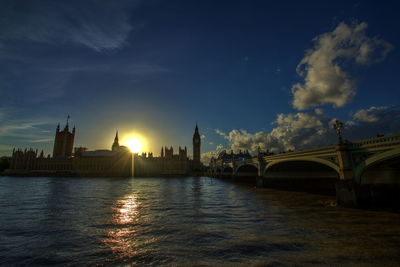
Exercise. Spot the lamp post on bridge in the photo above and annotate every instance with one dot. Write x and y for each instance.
(338, 127)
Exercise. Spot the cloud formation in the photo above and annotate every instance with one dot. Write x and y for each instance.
(372, 121)
(325, 81)
(32, 131)
(369, 115)
(291, 131)
(29, 128)
(206, 156)
(219, 132)
(99, 25)
(302, 130)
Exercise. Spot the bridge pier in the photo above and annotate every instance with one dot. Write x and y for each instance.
(349, 193)
(260, 181)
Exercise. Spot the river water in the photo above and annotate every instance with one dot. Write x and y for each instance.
(184, 222)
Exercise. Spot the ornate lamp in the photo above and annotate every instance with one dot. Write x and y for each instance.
(338, 126)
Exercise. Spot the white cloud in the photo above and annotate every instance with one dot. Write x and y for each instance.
(206, 156)
(221, 133)
(219, 147)
(369, 115)
(319, 111)
(372, 121)
(307, 130)
(243, 140)
(291, 131)
(325, 81)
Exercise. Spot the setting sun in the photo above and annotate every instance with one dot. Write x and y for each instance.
(134, 145)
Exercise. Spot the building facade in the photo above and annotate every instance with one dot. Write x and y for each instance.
(224, 157)
(63, 142)
(117, 162)
(64, 162)
(168, 163)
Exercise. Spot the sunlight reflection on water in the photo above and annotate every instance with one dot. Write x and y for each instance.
(126, 210)
(123, 241)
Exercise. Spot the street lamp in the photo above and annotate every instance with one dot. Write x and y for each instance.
(338, 126)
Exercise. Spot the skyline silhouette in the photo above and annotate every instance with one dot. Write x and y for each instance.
(248, 72)
(199, 133)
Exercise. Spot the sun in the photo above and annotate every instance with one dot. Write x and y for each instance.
(134, 145)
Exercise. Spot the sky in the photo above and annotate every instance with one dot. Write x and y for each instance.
(252, 74)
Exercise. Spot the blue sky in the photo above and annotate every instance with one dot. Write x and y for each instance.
(252, 73)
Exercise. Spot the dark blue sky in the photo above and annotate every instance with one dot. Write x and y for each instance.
(156, 67)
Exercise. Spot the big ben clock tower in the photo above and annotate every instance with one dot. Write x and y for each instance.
(196, 149)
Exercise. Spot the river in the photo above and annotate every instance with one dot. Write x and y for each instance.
(184, 222)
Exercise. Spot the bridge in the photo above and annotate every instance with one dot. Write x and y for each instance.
(357, 172)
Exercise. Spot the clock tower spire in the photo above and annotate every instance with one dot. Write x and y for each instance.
(196, 149)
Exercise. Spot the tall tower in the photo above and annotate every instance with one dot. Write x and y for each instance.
(115, 145)
(196, 149)
(64, 142)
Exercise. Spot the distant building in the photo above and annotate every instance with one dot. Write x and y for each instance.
(224, 157)
(64, 142)
(170, 164)
(116, 162)
(104, 163)
(64, 162)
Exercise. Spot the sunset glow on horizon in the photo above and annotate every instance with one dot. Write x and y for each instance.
(136, 143)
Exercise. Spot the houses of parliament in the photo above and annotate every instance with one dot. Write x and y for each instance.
(117, 162)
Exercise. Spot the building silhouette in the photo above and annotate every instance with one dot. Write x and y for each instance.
(225, 157)
(168, 163)
(196, 149)
(115, 146)
(117, 162)
(64, 142)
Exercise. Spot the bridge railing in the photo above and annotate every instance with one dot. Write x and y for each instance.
(376, 140)
(366, 143)
(324, 149)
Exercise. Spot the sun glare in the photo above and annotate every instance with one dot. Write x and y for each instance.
(134, 145)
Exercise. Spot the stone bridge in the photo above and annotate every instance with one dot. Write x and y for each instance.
(357, 172)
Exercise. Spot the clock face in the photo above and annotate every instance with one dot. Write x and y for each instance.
(196, 141)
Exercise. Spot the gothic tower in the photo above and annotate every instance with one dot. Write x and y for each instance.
(64, 142)
(115, 145)
(196, 149)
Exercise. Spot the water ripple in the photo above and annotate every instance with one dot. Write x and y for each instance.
(184, 222)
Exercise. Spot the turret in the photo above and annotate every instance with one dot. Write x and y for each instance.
(67, 124)
(64, 141)
(115, 145)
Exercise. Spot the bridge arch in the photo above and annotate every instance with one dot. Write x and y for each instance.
(246, 164)
(303, 174)
(316, 160)
(380, 168)
(247, 173)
